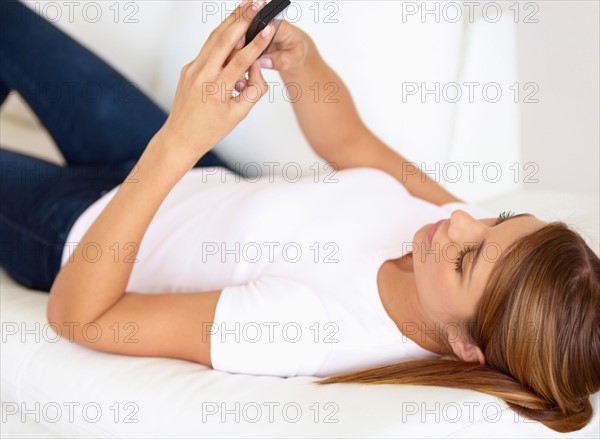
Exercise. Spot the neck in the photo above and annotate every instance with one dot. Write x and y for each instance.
(400, 299)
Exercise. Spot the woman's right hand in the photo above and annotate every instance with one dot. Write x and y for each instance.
(288, 52)
(289, 49)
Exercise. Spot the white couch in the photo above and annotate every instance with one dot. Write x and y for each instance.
(119, 396)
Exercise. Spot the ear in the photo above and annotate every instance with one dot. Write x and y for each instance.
(467, 351)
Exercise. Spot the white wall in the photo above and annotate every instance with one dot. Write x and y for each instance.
(560, 133)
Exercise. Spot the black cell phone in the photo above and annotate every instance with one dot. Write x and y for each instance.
(263, 18)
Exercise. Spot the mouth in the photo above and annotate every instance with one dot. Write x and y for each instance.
(431, 232)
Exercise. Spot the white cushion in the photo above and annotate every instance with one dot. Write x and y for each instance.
(486, 130)
(175, 398)
(160, 397)
(580, 212)
(369, 50)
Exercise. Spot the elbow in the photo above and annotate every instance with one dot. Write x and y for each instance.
(52, 309)
(63, 306)
(59, 317)
(55, 308)
(55, 316)
(66, 325)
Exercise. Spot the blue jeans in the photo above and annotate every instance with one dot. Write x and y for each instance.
(100, 121)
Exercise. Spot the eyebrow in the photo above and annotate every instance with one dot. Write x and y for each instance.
(480, 248)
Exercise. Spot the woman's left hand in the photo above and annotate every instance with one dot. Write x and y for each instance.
(204, 110)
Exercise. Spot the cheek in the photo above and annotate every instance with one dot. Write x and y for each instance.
(434, 273)
(436, 283)
(431, 277)
(435, 277)
(431, 265)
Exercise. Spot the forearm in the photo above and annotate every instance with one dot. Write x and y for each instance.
(371, 151)
(323, 105)
(86, 287)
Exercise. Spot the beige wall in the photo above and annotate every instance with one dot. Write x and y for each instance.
(560, 133)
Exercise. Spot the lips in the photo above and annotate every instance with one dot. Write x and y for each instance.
(431, 231)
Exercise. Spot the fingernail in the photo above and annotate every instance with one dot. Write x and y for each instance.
(267, 30)
(240, 85)
(266, 62)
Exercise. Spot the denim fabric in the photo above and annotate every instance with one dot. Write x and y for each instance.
(100, 121)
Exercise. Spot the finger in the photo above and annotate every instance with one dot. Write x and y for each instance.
(271, 61)
(243, 9)
(235, 15)
(281, 60)
(257, 87)
(276, 39)
(242, 82)
(225, 43)
(239, 45)
(244, 58)
(240, 85)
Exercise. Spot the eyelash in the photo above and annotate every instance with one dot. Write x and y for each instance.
(462, 253)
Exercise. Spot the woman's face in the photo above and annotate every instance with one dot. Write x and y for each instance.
(445, 293)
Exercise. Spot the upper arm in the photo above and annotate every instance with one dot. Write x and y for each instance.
(367, 150)
(175, 325)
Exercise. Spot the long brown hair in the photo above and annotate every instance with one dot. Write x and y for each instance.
(538, 325)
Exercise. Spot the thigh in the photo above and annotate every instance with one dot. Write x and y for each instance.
(39, 202)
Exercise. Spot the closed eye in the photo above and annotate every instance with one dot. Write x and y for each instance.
(461, 255)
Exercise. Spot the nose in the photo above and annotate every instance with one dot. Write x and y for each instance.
(463, 227)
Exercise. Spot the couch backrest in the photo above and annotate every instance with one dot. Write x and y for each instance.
(390, 54)
(372, 51)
